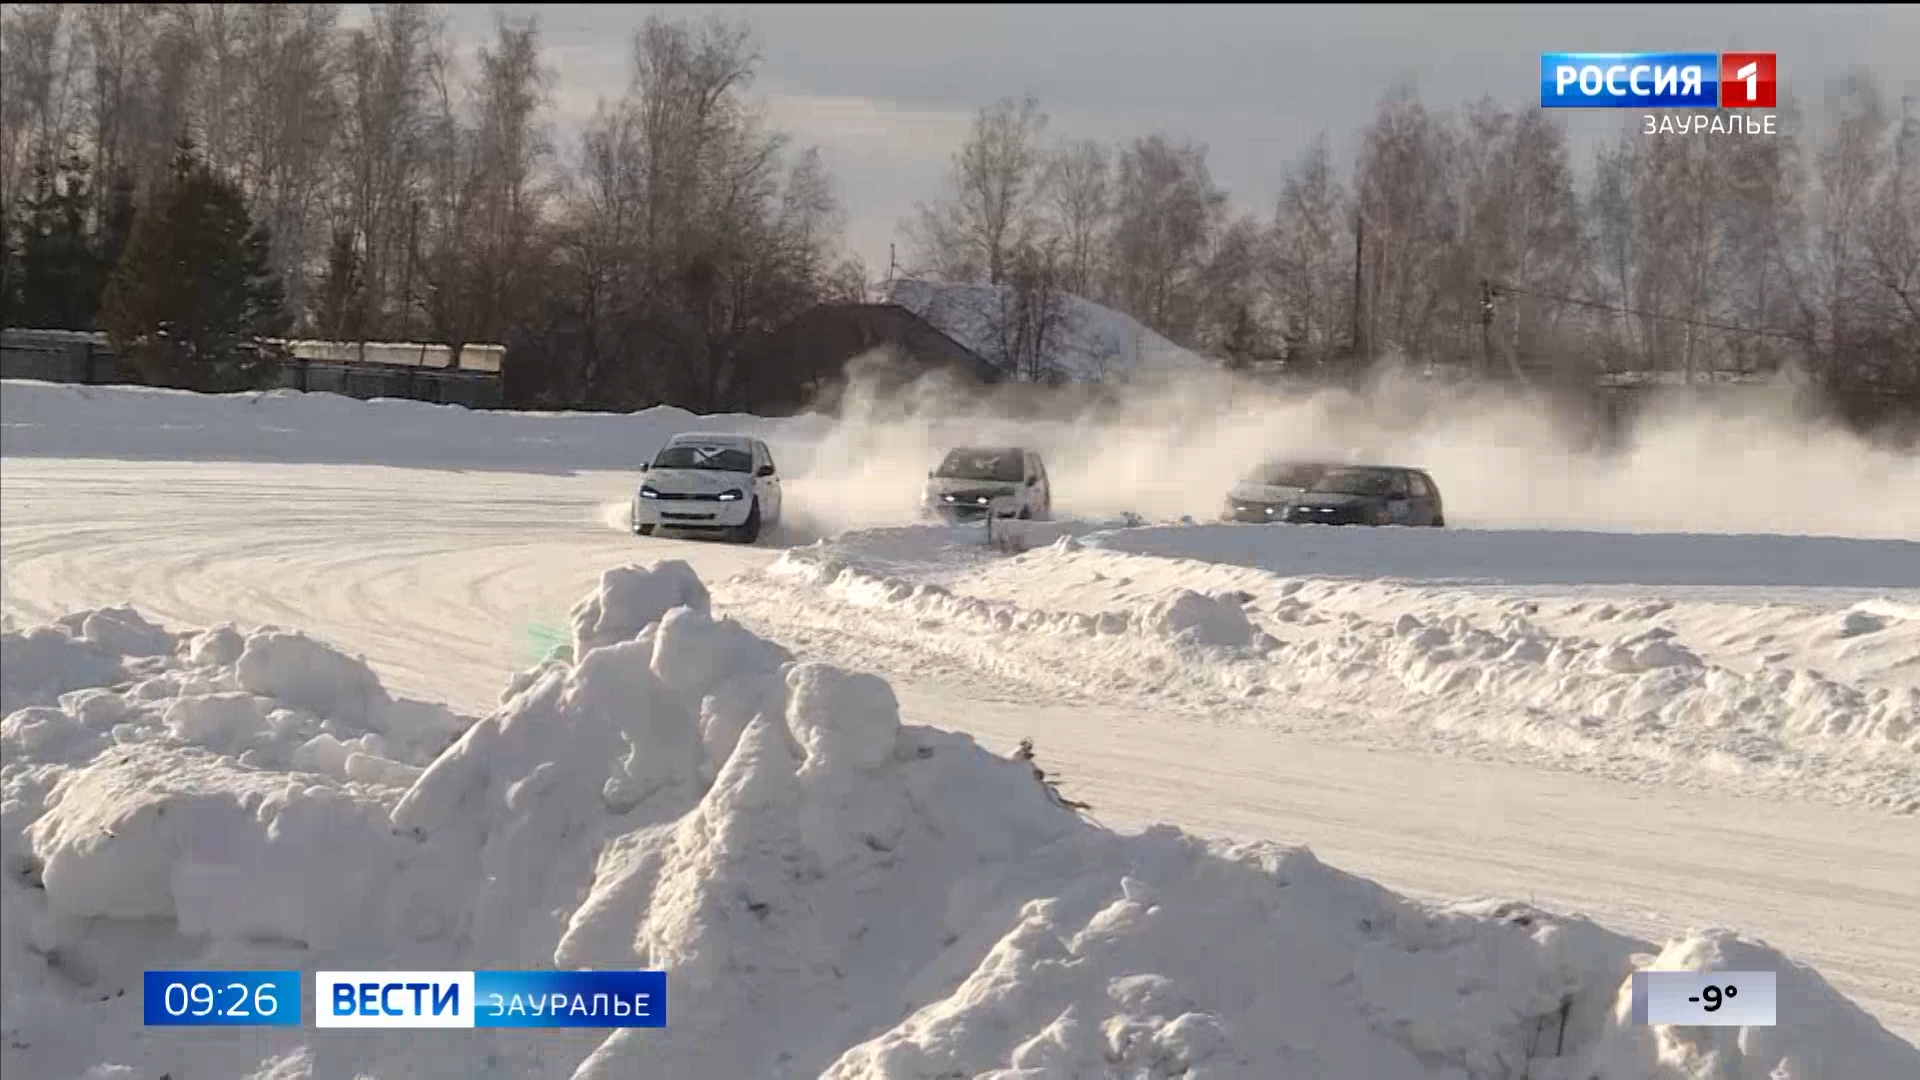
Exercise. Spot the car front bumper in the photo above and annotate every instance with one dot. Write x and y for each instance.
(1301, 515)
(960, 515)
(1255, 513)
(691, 513)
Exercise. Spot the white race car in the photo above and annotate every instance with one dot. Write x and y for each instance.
(713, 483)
(972, 482)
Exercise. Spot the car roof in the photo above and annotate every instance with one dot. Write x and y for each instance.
(710, 439)
(989, 450)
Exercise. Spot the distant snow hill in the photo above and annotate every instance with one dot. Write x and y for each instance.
(1094, 343)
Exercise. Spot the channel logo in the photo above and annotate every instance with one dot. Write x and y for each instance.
(1747, 80)
(489, 999)
(1669, 80)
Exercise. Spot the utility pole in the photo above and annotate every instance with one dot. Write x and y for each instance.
(1359, 244)
(406, 273)
(1486, 330)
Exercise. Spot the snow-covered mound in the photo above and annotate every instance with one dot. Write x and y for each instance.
(1093, 342)
(59, 420)
(1813, 700)
(832, 892)
(1539, 557)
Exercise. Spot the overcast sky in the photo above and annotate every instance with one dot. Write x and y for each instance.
(887, 93)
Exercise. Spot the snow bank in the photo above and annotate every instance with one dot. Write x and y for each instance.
(1184, 618)
(1534, 557)
(287, 426)
(1766, 698)
(1092, 343)
(832, 892)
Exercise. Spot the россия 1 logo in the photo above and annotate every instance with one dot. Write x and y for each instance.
(1747, 80)
(1674, 80)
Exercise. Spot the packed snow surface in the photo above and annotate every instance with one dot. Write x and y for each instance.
(833, 892)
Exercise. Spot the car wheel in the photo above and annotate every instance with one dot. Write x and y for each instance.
(750, 531)
(1026, 513)
(643, 530)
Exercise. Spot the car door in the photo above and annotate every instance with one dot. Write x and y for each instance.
(1041, 497)
(1399, 501)
(768, 486)
(1426, 499)
(1436, 506)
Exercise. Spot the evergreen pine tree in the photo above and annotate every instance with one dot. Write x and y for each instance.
(341, 291)
(9, 272)
(195, 295)
(59, 274)
(116, 227)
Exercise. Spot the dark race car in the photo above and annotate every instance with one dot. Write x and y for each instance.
(1263, 495)
(1369, 495)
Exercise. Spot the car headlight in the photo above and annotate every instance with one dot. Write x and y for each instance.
(982, 500)
(647, 492)
(946, 498)
(732, 495)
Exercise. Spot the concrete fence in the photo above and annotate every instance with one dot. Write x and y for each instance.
(423, 372)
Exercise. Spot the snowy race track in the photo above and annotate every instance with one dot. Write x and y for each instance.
(446, 580)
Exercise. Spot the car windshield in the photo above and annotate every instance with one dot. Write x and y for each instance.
(1354, 482)
(1287, 474)
(1002, 465)
(694, 456)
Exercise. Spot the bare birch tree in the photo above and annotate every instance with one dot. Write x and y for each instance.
(1078, 188)
(1165, 210)
(989, 210)
(1406, 205)
(1312, 254)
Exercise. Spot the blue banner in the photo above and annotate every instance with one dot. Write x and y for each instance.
(568, 999)
(221, 998)
(1672, 80)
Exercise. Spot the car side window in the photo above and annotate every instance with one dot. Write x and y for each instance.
(766, 456)
(1398, 489)
(1418, 485)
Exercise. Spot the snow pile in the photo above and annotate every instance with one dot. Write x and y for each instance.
(1807, 702)
(1183, 618)
(1093, 343)
(832, 892)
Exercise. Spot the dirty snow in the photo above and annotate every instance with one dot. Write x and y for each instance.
(833, 892)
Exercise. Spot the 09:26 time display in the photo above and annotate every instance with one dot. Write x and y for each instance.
(221, 998)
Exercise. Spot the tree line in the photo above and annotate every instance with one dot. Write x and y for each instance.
(392, 189)
(372, 182)
(1468, 239)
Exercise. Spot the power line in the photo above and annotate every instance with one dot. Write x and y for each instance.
(1499, 288)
